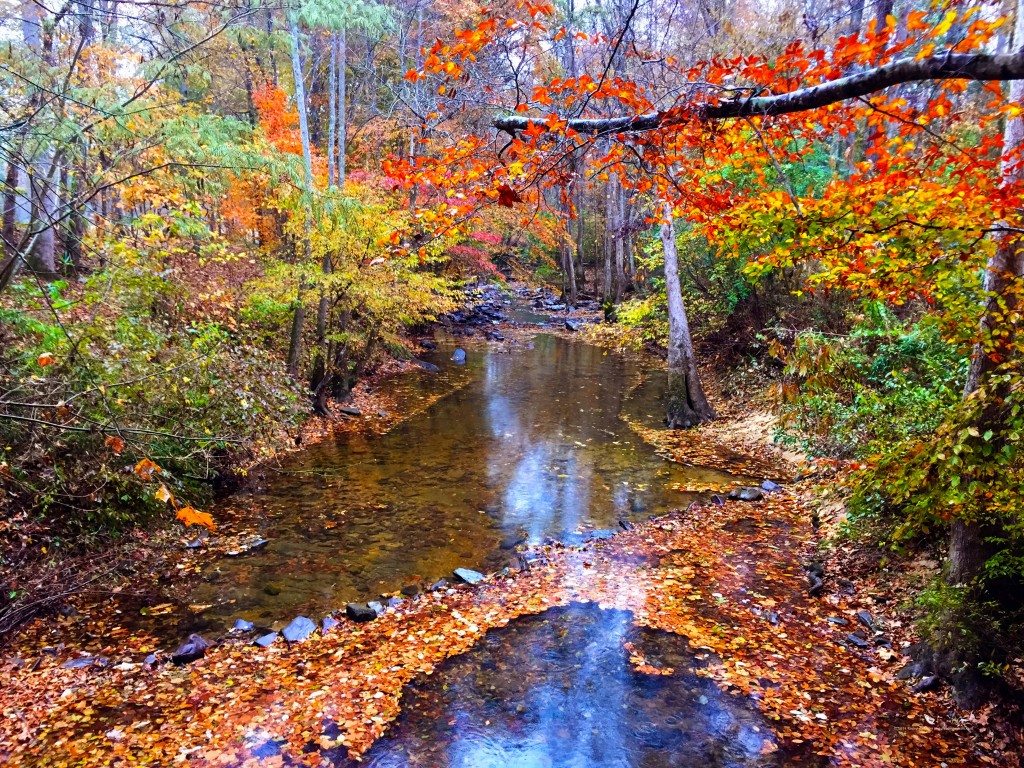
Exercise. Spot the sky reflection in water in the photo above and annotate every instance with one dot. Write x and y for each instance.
(558, 691)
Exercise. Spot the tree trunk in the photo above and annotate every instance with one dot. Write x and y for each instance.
(687, 404)
(610, 208)
(299, 316)
(295, 340)
(856, 19)
(42, 259)
(565, 247)
(10, 249)
(342, 44)
(332, 112)
(1006, 266)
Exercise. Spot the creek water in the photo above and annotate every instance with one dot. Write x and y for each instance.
(528, 444)
(559, 690)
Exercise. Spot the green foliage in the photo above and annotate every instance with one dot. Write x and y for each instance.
(130, 378)
(859, 394)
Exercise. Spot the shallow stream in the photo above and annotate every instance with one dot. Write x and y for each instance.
(529, 444)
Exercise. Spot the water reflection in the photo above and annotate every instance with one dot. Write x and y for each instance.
(531, 446)
(564, 690)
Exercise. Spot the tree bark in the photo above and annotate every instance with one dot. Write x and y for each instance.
(687, 405)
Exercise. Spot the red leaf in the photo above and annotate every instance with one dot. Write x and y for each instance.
(508, 196)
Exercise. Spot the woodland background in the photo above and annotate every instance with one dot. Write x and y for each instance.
(218, 216)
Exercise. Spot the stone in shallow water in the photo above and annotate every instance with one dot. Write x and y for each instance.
(360, 612)
(459, 356)
(298, 629)
(85, 661)
(190, 650)
(468, 576)
(748, 493)
(267, 640)
(241, 625)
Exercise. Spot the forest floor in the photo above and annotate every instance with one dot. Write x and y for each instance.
(729, 575)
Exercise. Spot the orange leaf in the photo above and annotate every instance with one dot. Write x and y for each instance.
(45, 359)
(190, 516)
(114, 443)
(146, 468)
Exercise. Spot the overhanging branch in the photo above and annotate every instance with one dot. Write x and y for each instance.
(947, 66)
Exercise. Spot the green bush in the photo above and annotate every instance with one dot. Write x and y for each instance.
(855, 395)
(125, 375)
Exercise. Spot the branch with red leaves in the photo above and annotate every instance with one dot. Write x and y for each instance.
(947, 66)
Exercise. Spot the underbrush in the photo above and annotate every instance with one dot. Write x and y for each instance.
(854, 395)
(96, 381)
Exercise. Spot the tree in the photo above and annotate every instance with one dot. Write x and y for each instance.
(686, 403)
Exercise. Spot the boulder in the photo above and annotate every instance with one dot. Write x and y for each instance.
(241, 625)
(747, 493)
(573, 325)
(438, 585)
(360, 612)
(926, 683)
(190, 650)
(411, 590)
(468, 576)
(769, 486)
(298, 629)
(350, 411)
(459, 356)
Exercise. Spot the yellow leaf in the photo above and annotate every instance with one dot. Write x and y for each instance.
(944, 25)
(162, 494)
(189, 516)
